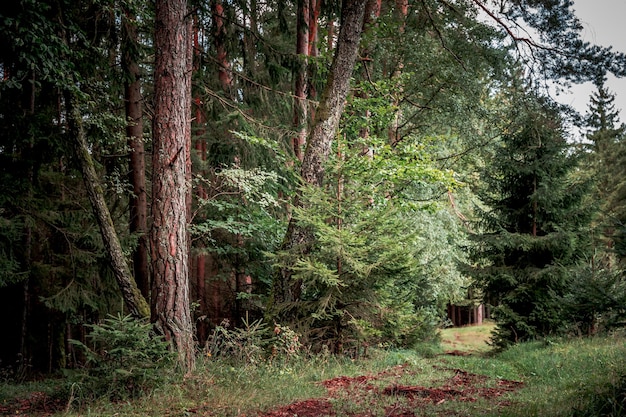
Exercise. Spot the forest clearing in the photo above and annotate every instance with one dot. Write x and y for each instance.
(579, 377)
(279, 207)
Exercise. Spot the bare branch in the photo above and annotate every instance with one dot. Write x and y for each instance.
(527, 40)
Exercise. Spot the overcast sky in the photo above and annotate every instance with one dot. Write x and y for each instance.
(604, 24)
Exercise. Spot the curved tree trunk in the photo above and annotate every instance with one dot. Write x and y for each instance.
(334, 96)
(170, 193)
(135, 302)
(321, 137)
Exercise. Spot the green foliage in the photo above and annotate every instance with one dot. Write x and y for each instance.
(125, 359)
(352, 263)
(239, 218)
(56, 251)
(382, 266)
(559, 29)
(36, 44)
(429, 96)
(534, 230)
(253, 343)
(605, 165)
(595, 299)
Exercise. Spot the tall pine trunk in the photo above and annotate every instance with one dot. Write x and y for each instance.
(220, 45)
(315, 9)
(137, 165)
(300, 101)
(320, 139)
(171, 187)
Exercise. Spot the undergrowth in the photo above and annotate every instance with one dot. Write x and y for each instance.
(576, 377)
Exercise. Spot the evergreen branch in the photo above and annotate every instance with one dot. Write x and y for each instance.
(247, 79)
(70, 244)
(227, 103)
(516, 38)
(440, 37)
(234, 22)
(426, 106)
(473, 148)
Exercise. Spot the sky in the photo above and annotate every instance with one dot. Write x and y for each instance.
(604, 25)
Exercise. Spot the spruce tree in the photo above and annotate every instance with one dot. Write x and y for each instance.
(606, 158)
(533, 231)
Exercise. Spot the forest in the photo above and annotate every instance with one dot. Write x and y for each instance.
(327, 177)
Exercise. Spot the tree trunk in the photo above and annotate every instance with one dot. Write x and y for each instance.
(172, 133)
(401, 13)
(315, 9)
(220, 43)
(199, 259)
(300, 100)
(135, 302)
(321, 136)
(334, 96)
(137, 164)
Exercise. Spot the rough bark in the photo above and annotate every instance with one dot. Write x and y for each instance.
(315, 9)
(137, 164)
(320, 139)
(135, 302)
(334, 96)
(169, 240)
(224, 76)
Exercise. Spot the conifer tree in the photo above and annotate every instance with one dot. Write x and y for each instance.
(533, 231)
(606, 135)
(171, 170)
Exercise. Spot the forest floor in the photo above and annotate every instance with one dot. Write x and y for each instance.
(401, 400)
(459, 377)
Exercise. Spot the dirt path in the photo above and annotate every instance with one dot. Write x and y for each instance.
(370, 395)
(380, 394)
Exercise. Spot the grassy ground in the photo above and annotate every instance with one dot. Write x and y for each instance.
(556, 378)
(468, 339)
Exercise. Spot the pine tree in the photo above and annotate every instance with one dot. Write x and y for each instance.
(533, 231)
(171, 163)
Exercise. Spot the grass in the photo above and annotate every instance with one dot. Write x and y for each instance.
(468, 339)
(579, 377)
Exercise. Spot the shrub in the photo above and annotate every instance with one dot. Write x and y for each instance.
(596, 298)
(126, 359)
(253, 343)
